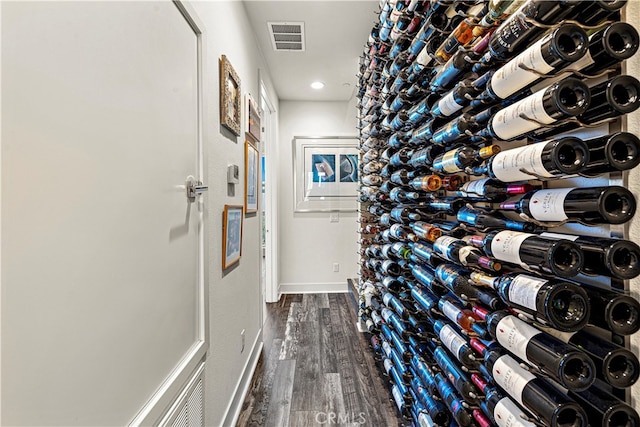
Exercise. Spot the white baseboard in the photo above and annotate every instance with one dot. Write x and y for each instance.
(242, 387)
(313, 288)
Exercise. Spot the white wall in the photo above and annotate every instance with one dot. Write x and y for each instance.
(234, 295)
(309, 243)
(633, 126)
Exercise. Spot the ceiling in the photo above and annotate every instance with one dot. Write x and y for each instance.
(335, 34)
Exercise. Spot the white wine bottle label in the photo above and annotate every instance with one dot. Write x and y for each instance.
(506, 165)
(507, 414)
(508, 374)
(510, 78)
(548, 205)
(464, 253)
(386, 314)
(451, 339)
(386, 298)
(448, 162)
(425, 420)
(388, 364)
(397, 397)
(450, 310)
(423, 57)
(508, 123)
(581, 63)
(474, 188)
(558, 236)
(448, 104)
(441, 245)
(505, 246)
(514, 335)
(523, 290)
(386, 347)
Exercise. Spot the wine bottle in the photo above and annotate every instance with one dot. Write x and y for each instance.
(498, 11)
(404, 214)
(567, 98)
(614, 364)
(561, 258)
(619, 151)
(448, 205)
(450, 72)
(491, 190)
(613, 310)
(503, 411)
(455, 343)
(555, 158)
(606, 257)
(458, 378)
(518, 29)
(425, 156)
(425, 254)
(400, 195)
(461, 35)
(452, 400)
(591, 205)
(398, 231)
(605, 410)
(434, 410)
(457, 160)
(454, 100)
(401, 157)
(458, 251)
(427, 183)
(562, 362)
(425, 300)
(466, 319)
(425, 231)
(481, 220)
(372, 180)
(402, 177)
(562, 305)
(558, 48)
(456, 279)
(435, 22)
(535, 394)
(425, 275)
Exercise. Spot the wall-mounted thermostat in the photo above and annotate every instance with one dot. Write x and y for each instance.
(233, 174)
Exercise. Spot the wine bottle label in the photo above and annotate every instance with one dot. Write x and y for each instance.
(506, 165)
(370, 325)
(450, 310)
(505, 246)
(388, 364)
(451, 339)
(448, 105)
(397, 397)
(386, 348)
(386, 313)
(558, 236)
(511, 77)
(474, 188)
(507, 414)
(581, 63)
(464, 253)
(448, 162)
(523, 290)
(442, 244)
(514, 335)
(423, 57)
(508, 374)
(548, 205)
(425, 420)
(508, 123)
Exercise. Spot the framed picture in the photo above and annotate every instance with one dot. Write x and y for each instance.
(231, 235)
(325, 173)
(230, 103)
(251, 158)
(253, 118)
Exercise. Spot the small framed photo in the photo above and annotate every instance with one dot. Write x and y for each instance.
(231, 235)
(253, 118)
(230, 102)
(251, 185)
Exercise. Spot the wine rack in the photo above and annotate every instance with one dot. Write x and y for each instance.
(493, 210)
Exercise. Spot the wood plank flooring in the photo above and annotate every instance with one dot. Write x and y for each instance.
(316, 369)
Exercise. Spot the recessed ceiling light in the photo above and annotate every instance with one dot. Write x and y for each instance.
(317, 85)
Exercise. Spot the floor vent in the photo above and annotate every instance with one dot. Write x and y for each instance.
(287, 36)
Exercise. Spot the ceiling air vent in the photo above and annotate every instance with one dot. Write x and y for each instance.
(287, 36)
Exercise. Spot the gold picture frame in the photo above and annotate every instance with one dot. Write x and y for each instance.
(230, 97)
(251, 184)
(253, 118)
(232, 220)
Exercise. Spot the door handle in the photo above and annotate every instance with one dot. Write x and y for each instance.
(194, 188)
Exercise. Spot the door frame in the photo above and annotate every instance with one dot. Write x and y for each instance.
(163, 398)
(271, 293)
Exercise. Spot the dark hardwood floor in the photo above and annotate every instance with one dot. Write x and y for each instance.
(316, 369)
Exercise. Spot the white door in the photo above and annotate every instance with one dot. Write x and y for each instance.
(101, 276)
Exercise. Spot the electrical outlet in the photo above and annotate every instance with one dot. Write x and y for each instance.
(242, 337)
(336, 267)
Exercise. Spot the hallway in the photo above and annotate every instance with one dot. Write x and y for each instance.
(316, 368)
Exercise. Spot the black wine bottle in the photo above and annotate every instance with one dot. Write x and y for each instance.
(455, 343)
(456, 375)
(604, 410)
(613, 310)
(606, 257)
(591, 205)
(457, 160)
(452, 400)
(457, 251)
(559, 304)
(567, 98)
(614, 364)
(562, 362)
(454, 100)
(482, 220)
(561, 258)
(491, 190)
(619, 151)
